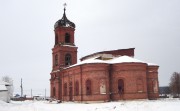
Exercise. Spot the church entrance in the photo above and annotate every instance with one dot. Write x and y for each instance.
(70, 91)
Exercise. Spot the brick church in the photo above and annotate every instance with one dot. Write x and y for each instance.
(102, 76)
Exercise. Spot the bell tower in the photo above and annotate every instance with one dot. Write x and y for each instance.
(64, 52)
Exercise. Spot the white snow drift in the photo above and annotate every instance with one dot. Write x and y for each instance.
(136, 105)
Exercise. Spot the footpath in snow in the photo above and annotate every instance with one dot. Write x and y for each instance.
(135, 105)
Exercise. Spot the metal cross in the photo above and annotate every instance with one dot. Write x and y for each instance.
(64, 5)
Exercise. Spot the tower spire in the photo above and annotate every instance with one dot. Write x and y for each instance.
(64, 7)
(64, 22)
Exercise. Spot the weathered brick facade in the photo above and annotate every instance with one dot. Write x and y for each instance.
(97, 77)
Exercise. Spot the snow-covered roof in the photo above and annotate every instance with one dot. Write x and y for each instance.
(152, 64)
(120, 59)
(3, 88)
(88, 61)
(125, 59)
(4, 83)
(38, 95)
(68, 45)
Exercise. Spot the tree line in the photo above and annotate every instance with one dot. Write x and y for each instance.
(174, 84)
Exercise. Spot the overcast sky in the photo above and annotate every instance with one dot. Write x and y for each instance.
(152, 27)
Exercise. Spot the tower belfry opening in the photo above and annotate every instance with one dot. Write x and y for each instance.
(67, 38)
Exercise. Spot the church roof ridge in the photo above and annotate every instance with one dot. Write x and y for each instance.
(116, 60)
(128, 51)
(125, 59)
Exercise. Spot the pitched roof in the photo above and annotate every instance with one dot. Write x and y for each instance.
(4, 83)
(120, 59)
(119, 52)
(124, 59)
(3, 88)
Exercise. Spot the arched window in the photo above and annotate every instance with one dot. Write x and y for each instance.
(56, 39)
(56, 60)
(88, 87)
(67, 38)
(77, 88)
(120, 86)
(65, 89)
(54, 92)
(139, 85)
(68, 59)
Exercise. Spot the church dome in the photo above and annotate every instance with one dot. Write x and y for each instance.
(64, 22)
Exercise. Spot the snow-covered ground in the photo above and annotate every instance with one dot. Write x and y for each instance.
(135, 105)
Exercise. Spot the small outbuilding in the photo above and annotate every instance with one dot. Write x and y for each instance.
(4, 93)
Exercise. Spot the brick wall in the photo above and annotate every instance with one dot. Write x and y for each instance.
(152, 82)
(129, 73)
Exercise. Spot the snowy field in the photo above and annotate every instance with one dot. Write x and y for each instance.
(135, 105)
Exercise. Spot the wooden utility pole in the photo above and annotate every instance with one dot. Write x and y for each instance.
(21, 88)
(45, 93)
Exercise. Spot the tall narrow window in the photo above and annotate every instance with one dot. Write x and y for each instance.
(88, 87)
(54, 92)
(151, 85)
(120, 86)
(70, 91)
(139, 85)
(68, 59)
(155, 86)
(102, 86)
(67, 38)
(56, 60)
(65, 89)
(77, 88)
(56, 39)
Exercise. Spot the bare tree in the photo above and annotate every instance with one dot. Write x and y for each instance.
(175, 84)
(9, 86)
